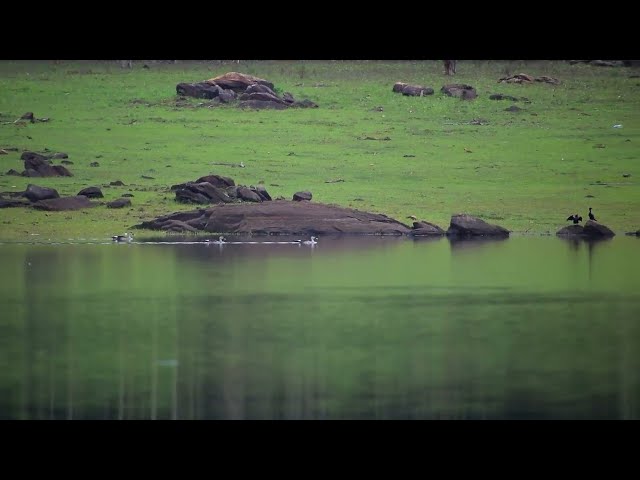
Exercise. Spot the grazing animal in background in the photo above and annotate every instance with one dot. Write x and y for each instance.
(575, 218)
(127, 237)
(591, 215)
(450, 67)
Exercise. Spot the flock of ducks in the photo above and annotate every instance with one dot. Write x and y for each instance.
(128, 237)
(222, 241)
(577, 218)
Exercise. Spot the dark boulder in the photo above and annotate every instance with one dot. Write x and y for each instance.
(13, 172)
(416, 91)
(398, 86)
(247, 195)
(35, 193)
(91, 192)
(463, 225)
(595, 229)
(217, 181)
(37, 165)
(426, 229)
(262, 191)
(460, 90)
(591, 229)
(198, 90)
(298, 196)
(63, 204)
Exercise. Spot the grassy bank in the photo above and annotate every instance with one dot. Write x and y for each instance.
(526, 171)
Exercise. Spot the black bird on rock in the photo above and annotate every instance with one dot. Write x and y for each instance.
(575, 218)
(591, 216)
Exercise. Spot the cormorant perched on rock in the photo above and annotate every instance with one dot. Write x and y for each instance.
(575, 218)
(591, 216)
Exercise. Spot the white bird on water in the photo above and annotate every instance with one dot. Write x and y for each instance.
(311, 242)
(220, 240)
(127, 237)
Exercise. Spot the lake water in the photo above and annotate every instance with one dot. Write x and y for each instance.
(351, 328)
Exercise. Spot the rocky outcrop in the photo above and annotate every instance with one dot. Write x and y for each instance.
(36, 165)
(281, 217)
(218, 189)
(591, 229)
(251, 92)
(636, 233)
(463, 225)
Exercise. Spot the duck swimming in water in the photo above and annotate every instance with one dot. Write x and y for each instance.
(591, 215)
(311, 242)
(220, 240)
(127, 237)
(575, 218)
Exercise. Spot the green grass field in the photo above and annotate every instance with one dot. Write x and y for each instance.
(526, 171)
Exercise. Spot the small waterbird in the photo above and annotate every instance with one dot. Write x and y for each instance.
(220, 240)
(311, 242)
(127, 237)
(575, 218)
(591, 215)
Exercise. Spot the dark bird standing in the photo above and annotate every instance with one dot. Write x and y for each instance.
(575, 218)
(591, 216)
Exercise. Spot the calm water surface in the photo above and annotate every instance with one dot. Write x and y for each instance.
(351, 328)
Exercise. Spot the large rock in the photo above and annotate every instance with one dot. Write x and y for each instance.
(591, 229)
(571, 230)
(595, 229)
(198, 90)
(299, 196)
(460, 90)
(238, 81)
(412, 90)
(248, 195)
(217, 181)
(424, 229)
(463, 225)
(35, 193)
(36, 165)
(91, 192)
(202, 192)
(283, 217)
(64, 203)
